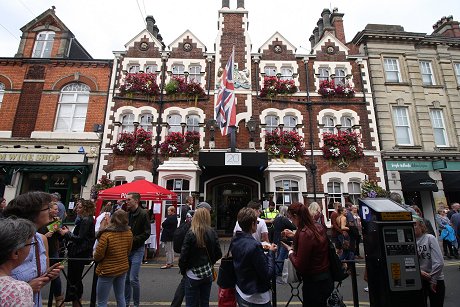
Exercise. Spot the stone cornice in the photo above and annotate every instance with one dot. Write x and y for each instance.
(55, 62)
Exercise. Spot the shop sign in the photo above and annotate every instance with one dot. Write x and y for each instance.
(409, 165)
(439, 164)
(41, 157)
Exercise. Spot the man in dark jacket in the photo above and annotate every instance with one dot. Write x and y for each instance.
(140, 227)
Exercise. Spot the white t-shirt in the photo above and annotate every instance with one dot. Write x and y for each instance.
(261, 228)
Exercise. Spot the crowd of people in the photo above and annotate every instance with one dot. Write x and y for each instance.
(33, 240)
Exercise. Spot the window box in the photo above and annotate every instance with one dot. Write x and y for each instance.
(177, 144)
(140, 83)
(274, 86)
(180, 86)
(137, 143)
(327, 88)
(284, 144)
(342, 147)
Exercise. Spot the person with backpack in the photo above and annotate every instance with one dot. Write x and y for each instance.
(310, 256)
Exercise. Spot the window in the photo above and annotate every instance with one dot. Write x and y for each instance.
(178, 70)
(346, 122)
(43, 45)
(119, 180)
(286, 73)
(195, 73)
(402, 127)
(193, 123)
(329, 124)
(151, 68)
(427, 73)
(457, 72)
(182, 188)
(2, 92)
(145, 122)
(73, 103)
(339, 78)
(391, 67)
(270, 71)
(354, 191)
(127, 123)
(323, 74)
(439, 129)
(134, 68)
(174, 122)
(271, 122)
(334, 191)
(290, 122)
(287, 192)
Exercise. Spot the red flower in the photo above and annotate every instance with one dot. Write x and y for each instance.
(274, 86)
(177, 144)
(343, 145)
(134, 143)
(285, 143)
(141, 83)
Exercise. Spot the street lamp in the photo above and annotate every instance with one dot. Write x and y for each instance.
(252, 125)
(211, 125)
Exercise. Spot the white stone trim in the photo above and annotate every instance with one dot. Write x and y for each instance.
(331, 66)
(64, 135)
(278, 65)
(337, 114)
(129, 176)
(280, 114)
(183, 113)
(6, 134)
(343, 178)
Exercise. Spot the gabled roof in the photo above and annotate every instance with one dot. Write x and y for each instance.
(181, 37)
(280, 37)
(326, 37)
(45, 14)
(141, 34)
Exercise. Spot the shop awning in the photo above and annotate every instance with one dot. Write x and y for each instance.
(451, 181)
(417, 181)
(84, 169)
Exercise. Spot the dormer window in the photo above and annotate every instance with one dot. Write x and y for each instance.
(43, 45)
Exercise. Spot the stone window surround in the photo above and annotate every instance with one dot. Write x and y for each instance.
(337, 115)
(331, 67)
(278, 65)
(138, 112)
(411, 114)
(279, 114)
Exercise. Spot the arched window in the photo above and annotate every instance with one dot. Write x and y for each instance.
(329, 124)
(134, 68)
(194, 73)
(43, 44)
(339, 78)
(73, 104)
(2, 92)
(286, 73)
(271, 122)
(346, 122)
(334, 191)
(287, 192)
(127, 122)
(290, 122)
(193, 123)
(151, 68)
(174, 121)
(145, 122)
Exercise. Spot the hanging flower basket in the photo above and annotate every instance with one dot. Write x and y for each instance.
(177, 144)
(327, 88)
(140, 83)
(134, 143)
(274, 86)
(284, 144)
(342, 147)
(179, 86)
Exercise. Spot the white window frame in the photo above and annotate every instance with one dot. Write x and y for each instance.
(269, 123)
(193, 122)
(145, 122)
(43, 46)
(334, 194)
(401, 121)
(178, 70)
(323, 74)
(178, 188)
(127, 123)
(457, 72)
(286, 73)
(286, 190)
(194, 73)
(439, 128)
(134, 68)
(79, 93)
(174, 123)
(426, 70)
(391, 67)
(328, 122)
(339, 77)
(346, 122)
(354, 191)
(290, 122)
(270, 71)
(151, 68)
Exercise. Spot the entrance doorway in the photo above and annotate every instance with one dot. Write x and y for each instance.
(229, 195)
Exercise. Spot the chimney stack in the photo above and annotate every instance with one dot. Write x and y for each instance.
(312, 41)
(320, 27)
(226, 3)
(337, 24)
(151, 27)
(326, 14)
(316, 34)
(240, 4)
(446, 26)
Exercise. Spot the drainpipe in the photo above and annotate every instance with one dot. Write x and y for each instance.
(313, 166)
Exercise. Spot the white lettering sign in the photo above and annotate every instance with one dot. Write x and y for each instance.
(40, 157)
(365, 212)
(232, 158)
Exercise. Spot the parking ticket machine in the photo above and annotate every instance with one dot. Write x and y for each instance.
(391, 254)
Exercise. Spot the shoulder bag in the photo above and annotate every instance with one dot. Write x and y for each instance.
(226, 278)
(289, 274)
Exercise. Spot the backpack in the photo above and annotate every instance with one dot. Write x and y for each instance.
(179, 236)
(336, 268)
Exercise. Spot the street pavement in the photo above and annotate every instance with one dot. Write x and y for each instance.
(158, 286)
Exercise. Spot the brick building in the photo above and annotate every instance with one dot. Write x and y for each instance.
(415, 82)
(228, 172)
(53, 98)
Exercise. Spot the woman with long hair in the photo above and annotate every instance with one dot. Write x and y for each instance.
(35, 207)
(112, 250)
(309, 255)
(316, 213)
(200, 251)
(81, 242)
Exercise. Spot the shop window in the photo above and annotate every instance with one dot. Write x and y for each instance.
(127, 122)
(270, 71)
(290, 122)
(328, 124)
(195, 73)
(193, 123)
(72, 107)
(287, 192)
(439, 128)
(392, 72)
(145, 122)
(339, 78)
(174, 123)
(402, 126)
(151, 68)
(43, 45)
(271, 123)
(427, 73)
(334, 194)
(354, 191)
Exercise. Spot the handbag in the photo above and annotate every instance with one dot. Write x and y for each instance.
(226, 297)
(335, 299)
(226, 278)
(289, 274)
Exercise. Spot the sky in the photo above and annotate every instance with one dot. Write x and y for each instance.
(104, 26)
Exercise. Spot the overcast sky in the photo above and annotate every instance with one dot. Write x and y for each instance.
(103, 26)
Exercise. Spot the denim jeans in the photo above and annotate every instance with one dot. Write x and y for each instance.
(132, 276)
(282, 255)
(197, 292)
(180, 293)
(242, 303)
(104, 283)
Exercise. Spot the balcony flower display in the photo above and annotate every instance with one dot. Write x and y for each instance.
(342, 147)
(179, 86)
(284, 144)
(104, 183)
(327, 88)
(274, 86)
(370, 189)
(134, 143)
(140, 83)
(177, 144)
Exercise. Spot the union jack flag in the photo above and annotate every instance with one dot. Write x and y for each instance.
(225, 110)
